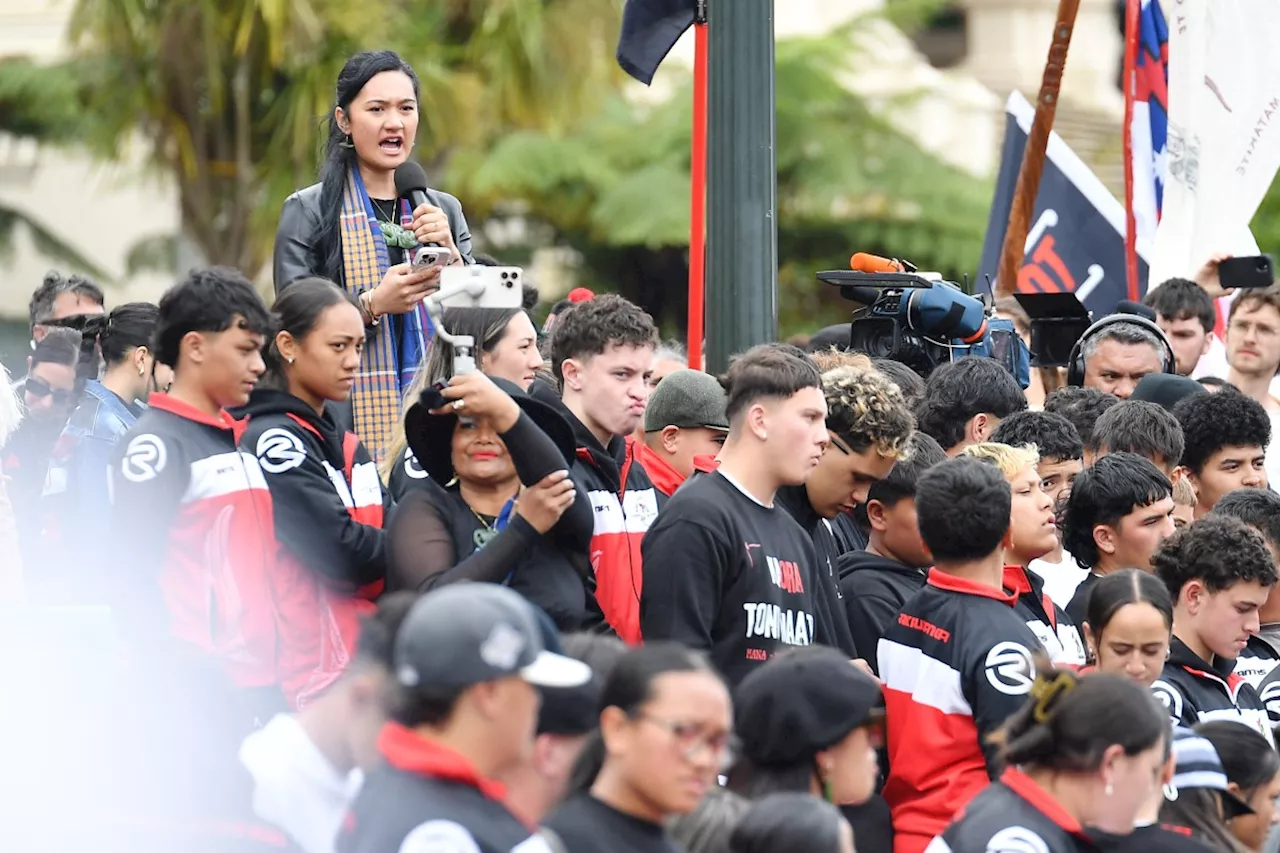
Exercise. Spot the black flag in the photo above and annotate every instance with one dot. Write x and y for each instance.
(650, 28)
(1077, 228)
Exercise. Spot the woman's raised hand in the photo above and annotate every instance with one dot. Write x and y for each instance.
(545, 501)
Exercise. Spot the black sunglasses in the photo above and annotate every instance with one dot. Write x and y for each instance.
(39, 388)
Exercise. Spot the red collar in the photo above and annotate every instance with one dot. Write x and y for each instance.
(166, 403)
(406, 750)
(951, 583)
(1024, 786)
(1016, 580)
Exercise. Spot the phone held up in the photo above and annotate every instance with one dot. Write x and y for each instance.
(431, 256)
(479, 286)
(1250, 272)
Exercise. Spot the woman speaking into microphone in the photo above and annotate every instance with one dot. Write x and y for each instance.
(354, 228)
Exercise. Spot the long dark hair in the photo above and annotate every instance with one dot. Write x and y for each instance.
(628, 687)
(486, 326)
(122, 331)
(1245, 754)
(339, 156)
(297, 311)
(1200, 810)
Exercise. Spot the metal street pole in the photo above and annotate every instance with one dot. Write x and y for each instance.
(742, 233)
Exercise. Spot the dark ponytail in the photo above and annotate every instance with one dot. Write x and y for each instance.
(1071, 720)
(339, 157)
(1130, 586)
(629, 686)
(122, 331)
(297, 311)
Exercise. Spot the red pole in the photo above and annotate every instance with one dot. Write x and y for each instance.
(697, 191)
(1131, 39)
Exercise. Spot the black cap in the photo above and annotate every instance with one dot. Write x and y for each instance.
(430, 437)
(471, 633)
(1166, 389)
(800, 703)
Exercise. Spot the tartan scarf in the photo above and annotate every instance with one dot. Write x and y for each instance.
(395, 348)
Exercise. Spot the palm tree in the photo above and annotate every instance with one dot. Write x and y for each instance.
(39, 103)
(228, 97)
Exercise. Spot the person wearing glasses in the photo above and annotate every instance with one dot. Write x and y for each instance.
(49, 394)
(664, 735)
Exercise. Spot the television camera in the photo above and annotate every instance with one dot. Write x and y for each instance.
(922, 321)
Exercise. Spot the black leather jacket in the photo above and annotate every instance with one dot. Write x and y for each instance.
(295, 250)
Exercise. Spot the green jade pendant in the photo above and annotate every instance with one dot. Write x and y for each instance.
(397, 236)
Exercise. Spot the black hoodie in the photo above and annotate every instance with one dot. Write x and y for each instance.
(874, 590)
(831, 610)
(304, 457)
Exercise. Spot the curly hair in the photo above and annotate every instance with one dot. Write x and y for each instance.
(1054, 437)
(1219, 550)
(589, 328)
(1258, 508)
(1009, 459)
(1211, 422)
(830, 359)
(1081, 406)
(955, 393)
(865, 410)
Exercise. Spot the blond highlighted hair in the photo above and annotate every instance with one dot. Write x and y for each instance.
(867, 410)
(1009, 459)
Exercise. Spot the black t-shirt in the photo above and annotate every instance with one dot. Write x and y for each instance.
(727, 574)
(586, 825)
(384, 209)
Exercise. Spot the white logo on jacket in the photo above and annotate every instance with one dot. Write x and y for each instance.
(1016, 839)
(1170, 697)
(439, 836)
(1010, 668)
(412, 467)
(144, 458)
(279, 450)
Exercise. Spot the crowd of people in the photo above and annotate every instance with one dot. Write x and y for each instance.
(588, 598)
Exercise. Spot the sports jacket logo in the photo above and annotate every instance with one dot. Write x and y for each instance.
(1170, 697)
(279, 450)
(1010, 668)
(1016, 839)
(144, 458)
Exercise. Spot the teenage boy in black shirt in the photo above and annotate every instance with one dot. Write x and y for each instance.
(1219, 574)
(1119, 512)
(1226, 437)
(727, 569)
(469, 660)
(868, 427)
(875, 583)
(1259, 663)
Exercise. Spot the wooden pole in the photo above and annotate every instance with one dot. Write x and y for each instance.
(1024, 196)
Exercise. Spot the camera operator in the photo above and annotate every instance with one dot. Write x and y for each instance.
(472, 521)
(1119, 354)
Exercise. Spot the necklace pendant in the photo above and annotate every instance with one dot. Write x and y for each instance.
(397, 236)
(483, 537)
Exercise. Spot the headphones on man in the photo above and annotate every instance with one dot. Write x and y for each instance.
(1075, 362)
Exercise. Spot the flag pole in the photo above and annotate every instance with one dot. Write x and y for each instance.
(698, 190)
(1033, 157)
(1131, 39)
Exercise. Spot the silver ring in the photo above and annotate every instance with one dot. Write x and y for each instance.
(458, 404)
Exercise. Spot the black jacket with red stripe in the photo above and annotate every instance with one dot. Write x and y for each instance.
(624, 503)
(332, 561)
(1014, 814)
(955, 665)
(194, 540)
(1049, 622)
(426, 798)
(1198, 692)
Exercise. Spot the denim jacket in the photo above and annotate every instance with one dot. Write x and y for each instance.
(76, 496)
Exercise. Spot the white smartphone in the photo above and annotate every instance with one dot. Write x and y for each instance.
(479, 286)
(431, 256)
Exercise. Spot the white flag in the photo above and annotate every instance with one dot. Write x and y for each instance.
(1224, 130)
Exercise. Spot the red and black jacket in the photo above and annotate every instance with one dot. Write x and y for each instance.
(1049, 622)
(1013, 814)
(625, 503)
(425, 796)
(194, 538)
(1198, 692)
(955, 664)
(332, 559)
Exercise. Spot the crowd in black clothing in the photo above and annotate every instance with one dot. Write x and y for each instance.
(365, 600)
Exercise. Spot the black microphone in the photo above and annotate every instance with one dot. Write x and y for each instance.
(411, 184)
